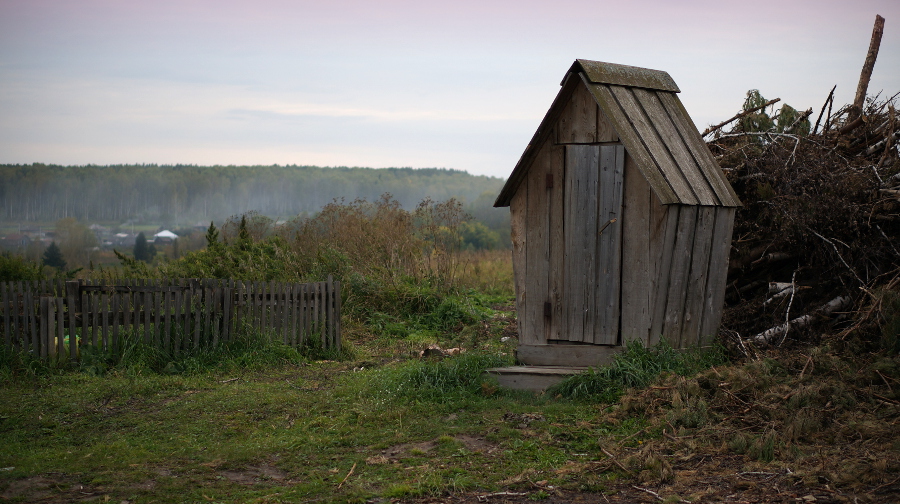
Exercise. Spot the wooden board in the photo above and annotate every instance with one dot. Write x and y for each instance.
(636, 286)
(7, 309)
(700, 151)
(518, 212)
(678, 273)
(644, 127)
(566, 355)
(581, 204)
(664, 227)
(609, 245)
(633, 143)
(696, 287)
(537, 255)
(717, 275)
(605, 130)
(534, 378)
(674, 143)
(556, 326)
(577, 123)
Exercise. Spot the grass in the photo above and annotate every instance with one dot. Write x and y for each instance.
(255, 421)
(259, 424)
(636, 367)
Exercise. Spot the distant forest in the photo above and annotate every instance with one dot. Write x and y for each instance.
(189, 193)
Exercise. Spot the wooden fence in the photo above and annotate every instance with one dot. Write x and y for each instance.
(176, 315)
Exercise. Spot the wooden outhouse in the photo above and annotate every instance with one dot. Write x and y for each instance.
(621, 221)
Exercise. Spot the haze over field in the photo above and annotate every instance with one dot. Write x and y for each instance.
(394, 83)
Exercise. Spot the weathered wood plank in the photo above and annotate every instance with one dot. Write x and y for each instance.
(45, 317)
(330, 286)
(147, 313)
(84, 303)
(285, 314)
(577, 123)
(537, 255)
(605, 130)
(518, 212)
(125, 300)
(209, 299)
(566, 355)
(227, 311)
(294, 314)
(700, 151)
(307, 316)
(696, 288)
(167, 320)
(197, 312)
(179, 332)
(661, 253)
(59, 323)
(718, 273)
(673, 141)
(649, 136)
(7, 309)
(636, 268)
(556, 326)
(633, 143)
(319, 311)
(337, 315)
(61, 328)
(33, 318)
(678, 275)
(117, 320)
(582, 167)
(104, 320)
(609, 244)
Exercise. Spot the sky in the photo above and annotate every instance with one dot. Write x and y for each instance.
(396, 83)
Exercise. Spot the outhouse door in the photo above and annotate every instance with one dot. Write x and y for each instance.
(593, 242)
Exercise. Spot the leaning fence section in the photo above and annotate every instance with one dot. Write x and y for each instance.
(55, 318)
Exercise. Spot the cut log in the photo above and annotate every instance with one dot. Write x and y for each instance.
(866, 73)
(836, 304)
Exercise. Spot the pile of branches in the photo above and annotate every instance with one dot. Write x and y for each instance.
(816, 246)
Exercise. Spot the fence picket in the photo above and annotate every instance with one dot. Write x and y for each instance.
(7, 336)
(337, 314)
(104, 319)
(61, 331)
(329, 317)
(225, 312)
(116, 297)
(211, 308)
(31, 321)
(167, 342)
(157, 313)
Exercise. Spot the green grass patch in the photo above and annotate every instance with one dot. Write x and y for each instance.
(636, 366)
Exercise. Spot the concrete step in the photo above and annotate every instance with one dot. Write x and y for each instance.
(535, 378)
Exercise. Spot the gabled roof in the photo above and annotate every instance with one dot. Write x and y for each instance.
(657, 132)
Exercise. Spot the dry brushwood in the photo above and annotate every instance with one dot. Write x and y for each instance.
(824, 207)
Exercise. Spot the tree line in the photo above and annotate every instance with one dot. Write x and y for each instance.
(178, 193)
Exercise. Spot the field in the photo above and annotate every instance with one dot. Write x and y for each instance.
(260, 423)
